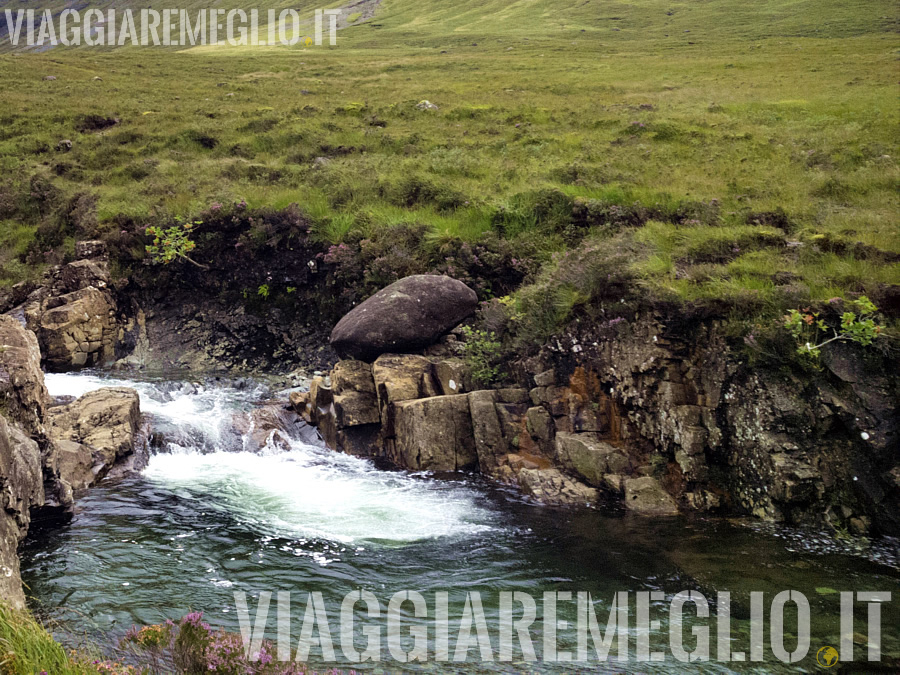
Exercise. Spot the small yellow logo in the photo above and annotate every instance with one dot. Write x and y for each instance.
(308, 41)
(827, 657)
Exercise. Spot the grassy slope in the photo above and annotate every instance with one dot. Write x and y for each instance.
(778, 104)
(26, 648)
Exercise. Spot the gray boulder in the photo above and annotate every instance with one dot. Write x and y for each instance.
(646, 496)
(406, 316)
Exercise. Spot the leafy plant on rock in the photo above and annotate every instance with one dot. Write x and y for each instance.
(173, 243)
(482, 351)
(812, 332)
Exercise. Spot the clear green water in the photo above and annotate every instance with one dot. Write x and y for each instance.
(211, 516)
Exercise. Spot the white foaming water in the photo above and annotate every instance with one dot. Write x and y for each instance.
(311, 492)
(194, 408)
(304, 491)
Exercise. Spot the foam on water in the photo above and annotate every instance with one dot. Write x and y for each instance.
(194, 409)
(303, 491)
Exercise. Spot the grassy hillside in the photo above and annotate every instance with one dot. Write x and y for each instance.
(638, 19)
(751, 160)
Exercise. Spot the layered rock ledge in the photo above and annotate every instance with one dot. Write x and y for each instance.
(655, 418)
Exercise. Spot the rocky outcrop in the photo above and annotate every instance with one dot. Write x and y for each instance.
(45, 451)
(23, 396)
(21, 489)
(78, 332)
(590, 458)
(653, 418)
(409, 410)
(714, 434)
(75, 315)
(433, 434)
(27, 457)
(93, 433)
(406, 316)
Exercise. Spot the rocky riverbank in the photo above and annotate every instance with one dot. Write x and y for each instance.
(656, 414)
(650, 414)
(49, 452)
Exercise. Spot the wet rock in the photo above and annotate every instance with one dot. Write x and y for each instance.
(21, 488)
(406, 316)
(23, 396)
(434, 434)
(550, 486)
(589, 457)
(106, 422)
(76, 464)
(300, 404)
(355, 402)
(647, 497)
(269, 423)
(321, 410)
(490, 442)
(615, 483)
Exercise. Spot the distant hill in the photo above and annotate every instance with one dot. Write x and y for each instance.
(438, 22)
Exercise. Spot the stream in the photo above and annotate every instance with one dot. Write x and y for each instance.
(215, 512)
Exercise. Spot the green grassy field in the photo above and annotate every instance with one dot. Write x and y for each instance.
(731, 149)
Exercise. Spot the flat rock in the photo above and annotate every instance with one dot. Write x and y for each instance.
(551, 486)
(647, 497)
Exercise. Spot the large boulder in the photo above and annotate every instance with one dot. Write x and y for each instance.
(406, 316)
(647, 497)
(551, 486)
(93, 433)
(75, 315)
(434, 434)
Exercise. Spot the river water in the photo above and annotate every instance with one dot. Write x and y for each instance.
(217, 510)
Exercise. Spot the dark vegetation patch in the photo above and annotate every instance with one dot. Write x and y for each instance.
(90, 123)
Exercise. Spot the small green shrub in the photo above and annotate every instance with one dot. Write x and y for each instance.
(482, 352)
(808, 329)
(173, 243)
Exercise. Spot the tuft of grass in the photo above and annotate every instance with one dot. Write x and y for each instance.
(26, 648)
